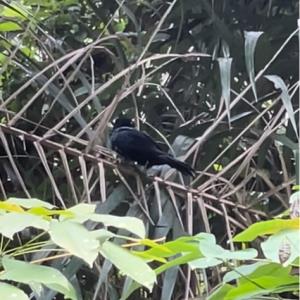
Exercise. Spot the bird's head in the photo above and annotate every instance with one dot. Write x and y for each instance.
(123, 122)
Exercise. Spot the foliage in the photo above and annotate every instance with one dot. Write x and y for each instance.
(67, 236)
(215, 81)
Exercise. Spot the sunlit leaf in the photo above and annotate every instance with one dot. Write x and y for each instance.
(211, 250)
(29, 273)
(10, 292)
(272, 246)
(74, 238)
(129, 264)
(243, 270)
(42, 211)
(82, 210)
(204, 262)
(9, 26)
(264, 228)
(12, 223)
(133, 225)
(254, 280)
(10, 207)
(30, 202)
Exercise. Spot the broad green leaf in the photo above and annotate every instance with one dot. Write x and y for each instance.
(251, 38)
(187, 247)
(9, 26)
(256, 279)
(266, 227)
(129, 264)
(269, 269)
(76, 239)
(102, 235)
(82, 210)
(212, 250)
(204, 262)
(272, 246)
(270, 284)
(11, 223)
(10, 292)
(180, 260)
(221, 292)
(30, 202)
(241, 271)
(286, 99)
(225, 74)
(29, 273)
(133, 225)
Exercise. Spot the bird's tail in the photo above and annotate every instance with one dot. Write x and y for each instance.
(177, 164)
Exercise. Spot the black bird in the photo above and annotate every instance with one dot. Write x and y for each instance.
(140, 147)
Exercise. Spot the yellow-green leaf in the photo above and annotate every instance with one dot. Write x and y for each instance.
(266, 227)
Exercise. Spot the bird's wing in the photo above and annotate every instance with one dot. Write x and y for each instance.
(134, 144)
(132, 135)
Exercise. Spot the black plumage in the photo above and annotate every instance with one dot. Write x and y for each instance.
(138, 146)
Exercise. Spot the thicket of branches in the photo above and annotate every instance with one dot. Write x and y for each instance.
(215, 81)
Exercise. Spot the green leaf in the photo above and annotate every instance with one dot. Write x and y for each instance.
(269, 269)
(265, 227)
(10, 223)
(10, 292)
(182, 244)
(256, 279)
(180, 260)
(212, 250)
(82, 210)
(9, 26)
(251, 38)
(221, 292)
(10, 207)
(41, 211)
(131, 224)
(102, 235)
(261, 286)
(241, 271)
(273, 245)
(204, 262)
(286, 99)
(129, 264)
(28, 273)
(213, 254)
(76, 239)
(30, 202)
